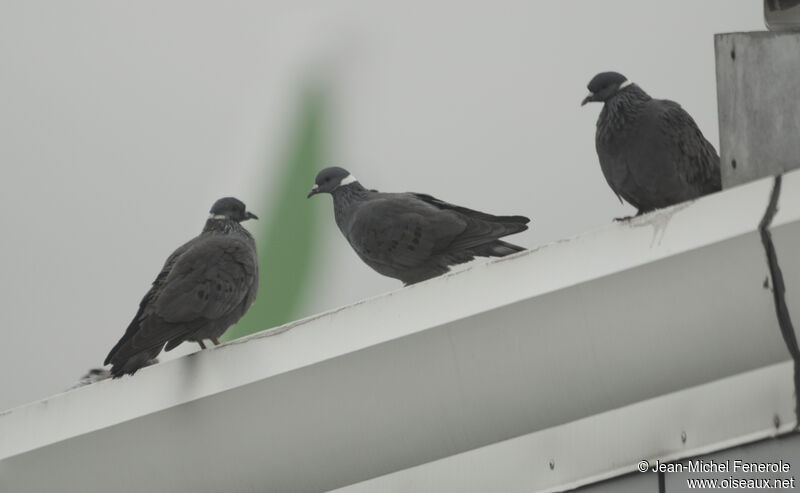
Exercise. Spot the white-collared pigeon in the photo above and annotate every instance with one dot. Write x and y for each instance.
(412, 236)
(205, 286)
(651, 152)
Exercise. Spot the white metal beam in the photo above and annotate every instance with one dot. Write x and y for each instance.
(687, 423)
(502, 350)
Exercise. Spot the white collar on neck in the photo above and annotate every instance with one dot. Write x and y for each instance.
(348, 180)
(624, 85)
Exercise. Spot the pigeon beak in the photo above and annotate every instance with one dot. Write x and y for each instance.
(314, 191)
(588, 99)
(249, 215)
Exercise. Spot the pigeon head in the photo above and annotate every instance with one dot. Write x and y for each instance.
(605, 85)
(330, 179)
(231, 208)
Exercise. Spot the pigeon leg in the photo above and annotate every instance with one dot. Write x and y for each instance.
(215, 341)
(202, 346)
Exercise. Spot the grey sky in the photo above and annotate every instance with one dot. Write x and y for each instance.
(122, 122)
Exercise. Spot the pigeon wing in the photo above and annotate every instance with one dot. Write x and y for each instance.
(440, 204)
(697, 161)
(401, 231)
(134, 327)
(480, 227)
(207, 282)
(478, 232)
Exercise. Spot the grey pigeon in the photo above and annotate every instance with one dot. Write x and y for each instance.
(412, 236)
(205, 286)
(651, 151)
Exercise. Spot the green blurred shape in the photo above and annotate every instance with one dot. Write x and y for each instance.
(287, 239)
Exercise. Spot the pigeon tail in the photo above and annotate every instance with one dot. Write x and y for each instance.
(134, 363)
(118, 372)
(129, 332)
(497, 248)
(511, 228)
